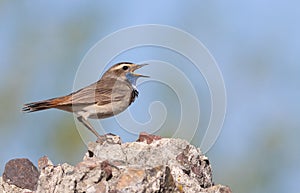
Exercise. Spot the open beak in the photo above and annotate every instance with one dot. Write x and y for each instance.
(137, 66)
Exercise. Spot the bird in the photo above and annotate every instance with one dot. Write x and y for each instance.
(110, 95)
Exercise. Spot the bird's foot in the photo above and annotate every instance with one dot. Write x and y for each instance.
(109, 138)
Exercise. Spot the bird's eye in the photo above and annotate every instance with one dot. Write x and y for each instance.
(125, 67)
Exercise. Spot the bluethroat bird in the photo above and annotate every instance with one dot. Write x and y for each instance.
(109, 96)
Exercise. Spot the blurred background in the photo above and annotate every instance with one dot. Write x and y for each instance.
(256, 45)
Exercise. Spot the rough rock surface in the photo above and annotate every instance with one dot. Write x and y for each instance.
(152, 164)
(22, 173)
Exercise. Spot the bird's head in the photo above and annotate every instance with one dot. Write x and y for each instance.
(125, 71)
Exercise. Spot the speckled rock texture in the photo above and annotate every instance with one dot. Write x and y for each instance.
(152, 164)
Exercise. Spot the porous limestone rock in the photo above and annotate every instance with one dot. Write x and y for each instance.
(152, 164)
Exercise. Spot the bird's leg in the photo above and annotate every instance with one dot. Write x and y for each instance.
(88, 125)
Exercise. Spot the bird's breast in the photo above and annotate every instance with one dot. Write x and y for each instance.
(134, 95)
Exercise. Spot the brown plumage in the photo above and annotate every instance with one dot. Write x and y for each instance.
(110, 95)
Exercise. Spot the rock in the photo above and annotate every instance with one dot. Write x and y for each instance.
(44, 162)
(21, 173)
(152, 164)
(10, 188)
(148, 138)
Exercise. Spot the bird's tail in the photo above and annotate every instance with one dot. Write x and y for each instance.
(41, 105)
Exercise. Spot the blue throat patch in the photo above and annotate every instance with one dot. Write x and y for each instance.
(131, 78)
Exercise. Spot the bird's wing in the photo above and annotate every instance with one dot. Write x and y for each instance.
(99, 92)
(90, 95)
